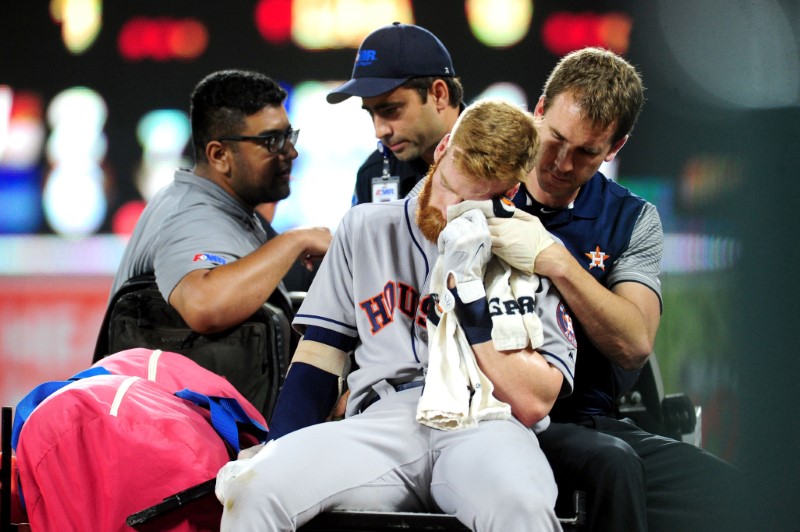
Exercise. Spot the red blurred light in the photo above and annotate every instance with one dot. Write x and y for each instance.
(125, 218)
(128, 41)
(273, 20)
(188, 40)
(162, 39)
(565, 32)
(615, 29)
(26, 106)
(154, 39)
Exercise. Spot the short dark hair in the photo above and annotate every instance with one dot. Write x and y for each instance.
(423, 84)
(222, 101)
(605, 86)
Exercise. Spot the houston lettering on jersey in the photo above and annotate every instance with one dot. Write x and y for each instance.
(380, 309)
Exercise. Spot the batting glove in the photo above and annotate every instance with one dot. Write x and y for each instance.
(465, 246)
(519, 240)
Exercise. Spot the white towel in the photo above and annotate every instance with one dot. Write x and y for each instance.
(457, 394)
(512, 295)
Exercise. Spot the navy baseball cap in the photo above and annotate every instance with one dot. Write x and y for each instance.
(390, 56)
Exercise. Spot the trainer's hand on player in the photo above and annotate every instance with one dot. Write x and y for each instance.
(465, 246)
(519, 240)
(316, 241)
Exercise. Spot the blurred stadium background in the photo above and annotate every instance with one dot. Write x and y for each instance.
(93, 120)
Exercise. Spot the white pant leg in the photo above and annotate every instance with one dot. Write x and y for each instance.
(494, 477)
(373, 461)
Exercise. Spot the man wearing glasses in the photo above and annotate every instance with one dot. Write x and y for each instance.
(215, 259)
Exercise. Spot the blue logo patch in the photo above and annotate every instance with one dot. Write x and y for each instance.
(208, 257)
(366, 57)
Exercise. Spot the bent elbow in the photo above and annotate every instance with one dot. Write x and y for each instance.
(640, 360)
(637, 358)
(533, 412)
(633, 356)
(633, 361)
(201, 321)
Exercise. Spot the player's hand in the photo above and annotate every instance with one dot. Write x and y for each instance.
(519, 240)
(317, 241)
(465, 246)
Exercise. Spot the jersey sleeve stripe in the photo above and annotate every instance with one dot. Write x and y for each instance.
(323, 318)
(331, 338)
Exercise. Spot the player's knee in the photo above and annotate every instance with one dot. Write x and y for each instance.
(250, 500)
(616, 460)
(533, 499)
(248, 508)
(535, 510)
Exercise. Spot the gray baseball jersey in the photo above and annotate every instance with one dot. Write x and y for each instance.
(374, 286)
(190, 224)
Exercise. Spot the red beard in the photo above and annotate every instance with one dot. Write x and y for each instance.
(429, 219)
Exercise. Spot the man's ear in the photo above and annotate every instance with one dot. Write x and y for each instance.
(538, 111)
(218, 156)
(440, 94)
(615, 149)
(510, 193)
(440, 148)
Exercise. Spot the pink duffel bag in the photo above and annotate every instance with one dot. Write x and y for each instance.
(106, 446)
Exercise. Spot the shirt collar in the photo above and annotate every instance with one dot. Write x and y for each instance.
(585, 204)
(231, 205)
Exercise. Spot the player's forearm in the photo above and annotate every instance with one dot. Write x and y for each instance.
(312, 387)
(322, 356)
(523, 379)
(216, 299)
(616, 326)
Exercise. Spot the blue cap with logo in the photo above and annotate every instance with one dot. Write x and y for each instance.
(390, 56)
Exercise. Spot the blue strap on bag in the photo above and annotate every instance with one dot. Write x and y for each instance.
(227, 415)
(226, 412)
(42, 392)
(29, 403)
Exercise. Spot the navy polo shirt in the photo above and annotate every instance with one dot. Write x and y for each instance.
(597, 229)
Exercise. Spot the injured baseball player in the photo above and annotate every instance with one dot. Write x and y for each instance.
(457, 358)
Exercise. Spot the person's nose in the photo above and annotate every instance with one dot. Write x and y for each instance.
(564, 159)
(289, 151)
(382, 128)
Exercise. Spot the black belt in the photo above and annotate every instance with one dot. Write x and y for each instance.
(397, 387)
(408, 386)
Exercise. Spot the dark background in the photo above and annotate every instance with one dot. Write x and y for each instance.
(747, 313)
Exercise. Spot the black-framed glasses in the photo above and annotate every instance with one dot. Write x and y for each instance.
(274, 142)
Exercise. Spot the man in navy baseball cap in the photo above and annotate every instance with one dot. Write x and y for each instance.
(390, 56)
(408, 85)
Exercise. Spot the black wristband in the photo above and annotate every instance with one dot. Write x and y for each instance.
(474, 318)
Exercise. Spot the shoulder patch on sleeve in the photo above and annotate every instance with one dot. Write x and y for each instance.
(208, 257)
(564, 319)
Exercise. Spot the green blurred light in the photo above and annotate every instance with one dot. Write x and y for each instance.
(499, 23)
(343, 24)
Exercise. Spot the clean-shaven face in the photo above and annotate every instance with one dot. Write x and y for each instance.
(573, 148)
(405, 125)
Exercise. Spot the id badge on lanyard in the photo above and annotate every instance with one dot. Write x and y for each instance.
(385, 187)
